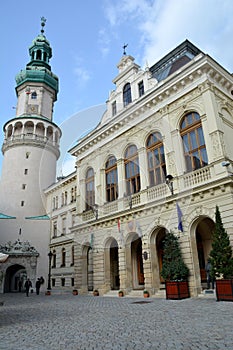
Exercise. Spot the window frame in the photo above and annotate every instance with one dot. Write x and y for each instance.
(132, 170)
(111, 171)
(191, 133)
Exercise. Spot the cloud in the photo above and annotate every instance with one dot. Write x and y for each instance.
(81, 73)
(104, 41)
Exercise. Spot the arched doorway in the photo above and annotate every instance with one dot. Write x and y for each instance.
(159, 246)
(204, 231)
(14, 279)
(114, 266)
(137, 263)
(90, 269)
(111, 268)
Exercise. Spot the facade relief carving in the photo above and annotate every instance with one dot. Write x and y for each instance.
(19, 248)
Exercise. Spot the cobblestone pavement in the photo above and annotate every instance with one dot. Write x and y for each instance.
(67, 322)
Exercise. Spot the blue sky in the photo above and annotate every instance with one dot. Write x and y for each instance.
(87, 39)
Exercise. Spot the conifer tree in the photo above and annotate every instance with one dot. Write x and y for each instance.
(174, 268)
(221, 254)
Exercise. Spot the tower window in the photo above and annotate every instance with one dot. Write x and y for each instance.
(23, 186)
(38, 54)
(25, 171)
(27, 155)
(22, 203)
(33, 95)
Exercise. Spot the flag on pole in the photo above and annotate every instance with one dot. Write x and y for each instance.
(179, 213)
(119, 225)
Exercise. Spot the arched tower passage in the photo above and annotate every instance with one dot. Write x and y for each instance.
(15, 278)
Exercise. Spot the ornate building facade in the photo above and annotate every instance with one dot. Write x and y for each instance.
(159, 160)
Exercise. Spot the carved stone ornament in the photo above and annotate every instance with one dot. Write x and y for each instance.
(19, 248)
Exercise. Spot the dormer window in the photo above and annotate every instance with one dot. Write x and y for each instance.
(141, 88)
(127, 94)
(34, 95)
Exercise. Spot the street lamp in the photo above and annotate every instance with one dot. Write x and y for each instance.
(50, 254)
(169, 182)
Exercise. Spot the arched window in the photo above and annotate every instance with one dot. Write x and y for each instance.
(90, 190)
(156, 159)
(33, 95)
(111, 179)
(63, 257)
(127, 94)
(193, 142)
(38, 54)
(132, 174)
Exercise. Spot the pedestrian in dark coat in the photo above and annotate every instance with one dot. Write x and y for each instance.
(38, 286)
(27, 285)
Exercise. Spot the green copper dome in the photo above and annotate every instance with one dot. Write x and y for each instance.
(38, 69)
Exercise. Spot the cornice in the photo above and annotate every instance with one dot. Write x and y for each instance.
(165, 93)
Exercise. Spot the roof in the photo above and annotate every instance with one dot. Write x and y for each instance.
(3, 216)
(174, 60)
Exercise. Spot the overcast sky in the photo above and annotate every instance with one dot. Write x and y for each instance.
(87, 38)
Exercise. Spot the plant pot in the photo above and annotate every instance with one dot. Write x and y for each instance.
(120, 294)
(75, 292)
(47, 292)
(224, 290)
(96, 293)
(146, 295)
(177, 290)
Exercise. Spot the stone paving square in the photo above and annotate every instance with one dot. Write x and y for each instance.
(67, 322)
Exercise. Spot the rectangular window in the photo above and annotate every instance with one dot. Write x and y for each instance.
(22, 203)
(27, 155)
(63, 226)
(25, 171)
(63, 282)
(53, 282)
(141, 88)
(114, 109)
(72, 282)
(55, 229)
(23, 186)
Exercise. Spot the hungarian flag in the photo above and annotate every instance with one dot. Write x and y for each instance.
(119, 225)
(179, 213)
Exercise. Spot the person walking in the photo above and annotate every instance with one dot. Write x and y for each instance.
(38, 283)
(27, 285)
(209, 278)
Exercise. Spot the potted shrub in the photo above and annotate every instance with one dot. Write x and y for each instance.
(96, 293)
(174, 270)
(75, 292)
(146, 294)
(120, 293)
(221, 261)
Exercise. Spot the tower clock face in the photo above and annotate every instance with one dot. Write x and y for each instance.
(32, 109)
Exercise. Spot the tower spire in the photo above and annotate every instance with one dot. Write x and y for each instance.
(43, 21)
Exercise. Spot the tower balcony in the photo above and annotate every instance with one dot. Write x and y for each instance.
(31, 139)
